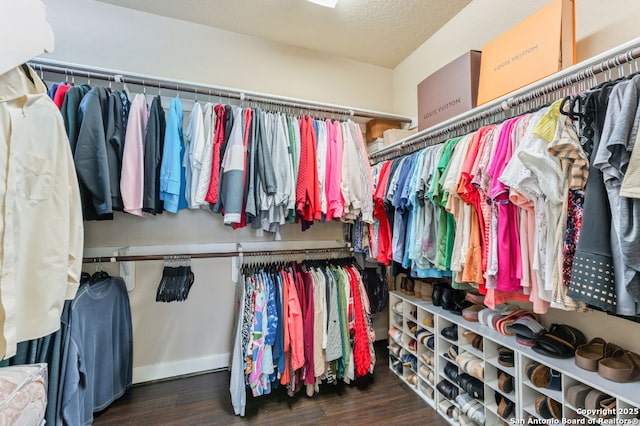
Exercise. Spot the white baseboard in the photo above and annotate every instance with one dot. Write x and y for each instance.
(183, 367)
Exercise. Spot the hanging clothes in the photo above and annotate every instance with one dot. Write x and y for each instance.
(172, 171)
(94, 378)
(295, 324)
(41, 222)
(132, 180)
(153, 149)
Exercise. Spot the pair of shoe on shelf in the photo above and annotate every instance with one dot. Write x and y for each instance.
(506, 357)
(450, 332)
(548, 408)
(447, 389)
(471, 364)
(505, 406)
(394, 349)
(423, 290)
(448, 409)
(471, 408)
(425, 337)
(409, 360)
(428, 358)
(406, 285)
(475, 340)
(428, 320)
(466, 382)
(427, 374)
(560, 341)
(583, 396)
(542, 376)
(609, 360)
(450, 299)
(505, 382)
(395, 334)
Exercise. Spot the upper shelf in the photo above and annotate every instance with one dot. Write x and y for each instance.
(562, 81)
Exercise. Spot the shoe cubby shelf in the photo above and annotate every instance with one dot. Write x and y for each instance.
(524, 393)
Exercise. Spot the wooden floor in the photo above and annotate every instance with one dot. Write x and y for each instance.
(204, 400)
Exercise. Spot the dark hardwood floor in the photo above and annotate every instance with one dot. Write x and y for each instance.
(205, 400)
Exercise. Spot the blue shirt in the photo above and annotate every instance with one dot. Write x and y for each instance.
(172, 173)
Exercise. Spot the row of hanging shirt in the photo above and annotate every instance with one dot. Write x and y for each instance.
(299, 325)
(502, 209)
(259, 168)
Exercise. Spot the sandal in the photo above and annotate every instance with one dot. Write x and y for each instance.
(577, 395)
(471, 313)
(478, 343)
(505, 357)
(622, 366)
(540, 376)
(548, 407)
(588, 355)
(469, 336)
(505, 382)
(505, 407)
(594, 399)
(527, 327)
(560, 341)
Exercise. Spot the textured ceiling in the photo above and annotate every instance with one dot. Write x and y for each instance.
(381, 32)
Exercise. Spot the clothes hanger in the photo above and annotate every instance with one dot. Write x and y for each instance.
(98, 275)
(25, 70)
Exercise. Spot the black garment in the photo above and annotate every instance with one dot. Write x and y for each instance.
(90, 156)
(153, 146)
(594, 243)
(71, 114)
(251, 194)
(116, 127)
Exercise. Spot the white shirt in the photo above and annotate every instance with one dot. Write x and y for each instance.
(41, 232)
(194, 153)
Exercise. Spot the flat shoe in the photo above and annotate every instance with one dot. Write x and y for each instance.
(588, 355)
(505, 357)
(622, 367)
(594, 399)
(555, 408)
(561, 341)
(541, 376)
(505, 382)
(577, 394)
(450, 332)
(505, 408)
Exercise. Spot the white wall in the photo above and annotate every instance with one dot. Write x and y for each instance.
(599, 26)
(94, 33)
(195, 335)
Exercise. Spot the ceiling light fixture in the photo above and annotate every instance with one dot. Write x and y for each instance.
(325, 3)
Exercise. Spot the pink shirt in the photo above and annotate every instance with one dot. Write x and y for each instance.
(132, 175)
(335, 201)
(508, 247)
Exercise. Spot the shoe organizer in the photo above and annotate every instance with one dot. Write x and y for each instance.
(622, 400)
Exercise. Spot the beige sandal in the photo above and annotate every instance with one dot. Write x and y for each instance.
(622, 367)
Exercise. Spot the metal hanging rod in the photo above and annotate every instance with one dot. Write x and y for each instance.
(136, 258)
(69, 70)
(498, 109)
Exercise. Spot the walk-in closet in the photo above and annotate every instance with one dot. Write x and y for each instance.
(319, 212)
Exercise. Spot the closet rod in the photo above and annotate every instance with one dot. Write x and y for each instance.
(469, 121)
(70, 70)
(136, 258)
